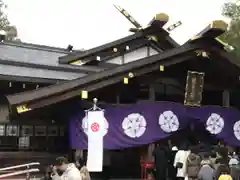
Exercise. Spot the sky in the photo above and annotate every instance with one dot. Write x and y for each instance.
(89, 23)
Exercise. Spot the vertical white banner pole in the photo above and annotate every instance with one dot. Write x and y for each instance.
(95, 140)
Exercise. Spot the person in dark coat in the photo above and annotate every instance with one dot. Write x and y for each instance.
(220, 167)
(161, 161)
(222, 153)
(172, 171)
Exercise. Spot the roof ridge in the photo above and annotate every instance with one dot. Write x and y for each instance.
(37, 46)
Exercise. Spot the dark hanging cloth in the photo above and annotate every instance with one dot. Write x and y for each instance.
(161, 160)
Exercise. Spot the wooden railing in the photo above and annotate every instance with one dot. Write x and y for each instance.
(13, 170)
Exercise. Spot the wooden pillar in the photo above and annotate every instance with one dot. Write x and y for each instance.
(226, 98)
(152, 99)
(151, 93)
(118, 98)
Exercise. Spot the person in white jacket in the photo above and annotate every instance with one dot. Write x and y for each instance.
(70, 171)
(180, 162)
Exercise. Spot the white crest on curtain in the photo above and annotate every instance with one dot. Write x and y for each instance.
(168, 121)
(215, 123)
(236, 129)
(85, 125)
(134, 125)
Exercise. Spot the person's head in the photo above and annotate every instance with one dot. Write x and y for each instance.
(194, 150)
(80, 163)
(161, 144)
(213, 154)
(206, 155)
(221, 144)
(225, 169)
(174, 148)
(183, 146)
(61, 163)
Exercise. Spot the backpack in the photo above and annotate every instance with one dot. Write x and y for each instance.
(225, 177)
(193, 165)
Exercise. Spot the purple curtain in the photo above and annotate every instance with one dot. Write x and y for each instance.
(149, 122)
(222, 122)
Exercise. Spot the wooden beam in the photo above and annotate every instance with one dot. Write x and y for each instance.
(101, 84)
(80, 55)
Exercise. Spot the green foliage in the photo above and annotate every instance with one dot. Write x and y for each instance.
(232, 36)
(231, 10)
(5, 24)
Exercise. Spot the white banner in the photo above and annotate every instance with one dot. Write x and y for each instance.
(95, 140)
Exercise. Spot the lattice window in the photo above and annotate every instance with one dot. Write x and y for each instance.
(8, 143)
(12, 130)
(23, 142)
(26, 131)
(2, 130)
(52, 131)
(40, 131)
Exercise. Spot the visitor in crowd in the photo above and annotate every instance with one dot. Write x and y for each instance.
(106, 165)
(206, 171)
(180, 162)
(172, 171)
(234, 166)
(161, 161)
(85, 175)
(220, 167)
(222, 153)
(80, 162)
(69, 170)
(224, 174)
(47, 174)
(234, 160)
(193, 165)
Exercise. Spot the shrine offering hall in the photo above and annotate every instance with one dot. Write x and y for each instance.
(150, 87)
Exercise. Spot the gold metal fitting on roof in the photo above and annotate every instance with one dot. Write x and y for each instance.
(130, 75)
(153, 38)
(161, 17)
(202, 53)
(161, 68)
(195, 37)
(78, 62)
(219, 24)
(227, 47)
(125, 80)
(22, 108)
(84, 94)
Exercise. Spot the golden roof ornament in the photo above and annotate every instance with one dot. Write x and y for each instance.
(202, 53)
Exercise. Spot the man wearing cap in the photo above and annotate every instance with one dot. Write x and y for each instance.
(70, 172)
